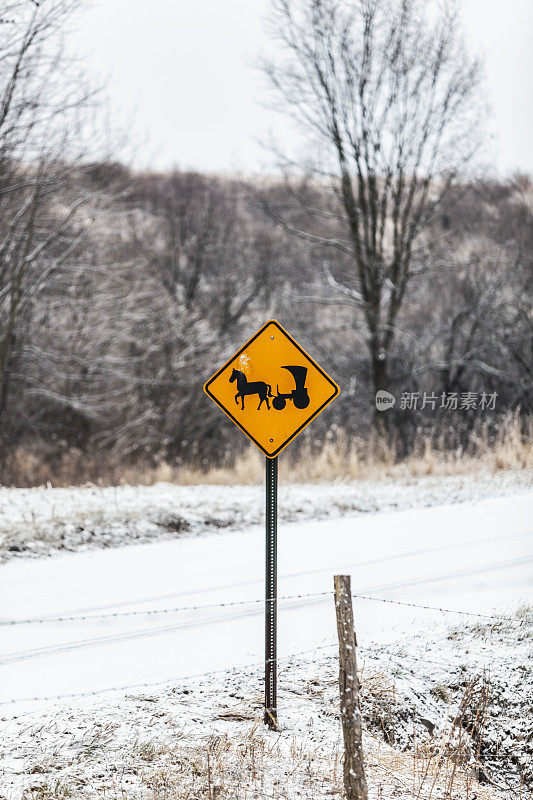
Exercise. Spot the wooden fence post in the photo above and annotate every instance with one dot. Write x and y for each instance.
(354, 773)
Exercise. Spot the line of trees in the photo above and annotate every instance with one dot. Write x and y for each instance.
(121, 292)
(110, 356)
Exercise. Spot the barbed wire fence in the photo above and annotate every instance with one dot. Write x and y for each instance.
(491, 624)
(199, 607)
(54, 619)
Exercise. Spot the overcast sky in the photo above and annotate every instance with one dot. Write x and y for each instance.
(180, 76)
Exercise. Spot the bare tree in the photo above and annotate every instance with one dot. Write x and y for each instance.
(45, 212)
(481, 335)
(204, 248)
(390, 98)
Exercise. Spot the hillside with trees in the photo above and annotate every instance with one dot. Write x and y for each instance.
(399, 267)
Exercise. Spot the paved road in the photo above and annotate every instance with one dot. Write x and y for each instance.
(465, 557)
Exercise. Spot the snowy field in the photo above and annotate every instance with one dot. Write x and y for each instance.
(41, 521)
(204, 738)
(169, 633)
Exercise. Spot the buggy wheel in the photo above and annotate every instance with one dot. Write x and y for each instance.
(279, 403)
(302, 401)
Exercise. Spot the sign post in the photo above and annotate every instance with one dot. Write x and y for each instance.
(271, 592)
(244, 389)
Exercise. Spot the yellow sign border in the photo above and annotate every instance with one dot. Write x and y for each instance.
(335, 387)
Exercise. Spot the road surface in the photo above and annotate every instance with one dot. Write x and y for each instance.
(475, 557)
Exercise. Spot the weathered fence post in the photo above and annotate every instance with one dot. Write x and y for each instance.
(354, 773)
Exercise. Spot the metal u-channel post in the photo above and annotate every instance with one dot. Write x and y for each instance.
(271, 592)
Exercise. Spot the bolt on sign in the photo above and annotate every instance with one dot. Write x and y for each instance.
(271, 388)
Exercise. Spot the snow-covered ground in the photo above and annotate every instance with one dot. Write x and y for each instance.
(150, 617)
(424, 734)
(40, 521)
(476, 557)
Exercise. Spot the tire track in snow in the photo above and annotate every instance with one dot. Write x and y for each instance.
(301, 574)
(99, 641)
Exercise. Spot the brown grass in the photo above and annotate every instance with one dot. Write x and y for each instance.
(254, 767)
(252, 763)
(372, 459)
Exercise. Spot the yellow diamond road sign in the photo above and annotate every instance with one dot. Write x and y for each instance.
(271, 388)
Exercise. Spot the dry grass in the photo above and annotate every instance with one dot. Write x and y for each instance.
(255, 767)
(252, 763)
(249, 765)
(372, 459)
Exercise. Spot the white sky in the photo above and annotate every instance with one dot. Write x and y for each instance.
(180, 77)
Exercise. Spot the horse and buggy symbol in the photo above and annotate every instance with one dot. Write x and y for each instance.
(271, 388)
(299, 396)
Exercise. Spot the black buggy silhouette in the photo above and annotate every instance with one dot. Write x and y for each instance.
(299, 395)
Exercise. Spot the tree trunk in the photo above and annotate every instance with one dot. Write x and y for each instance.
(380, 382)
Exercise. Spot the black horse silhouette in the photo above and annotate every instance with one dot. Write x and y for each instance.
(264, 390)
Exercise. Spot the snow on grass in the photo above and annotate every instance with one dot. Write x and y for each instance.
(443, 703)
(40, 521)
(205, 738)
(171, 609)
